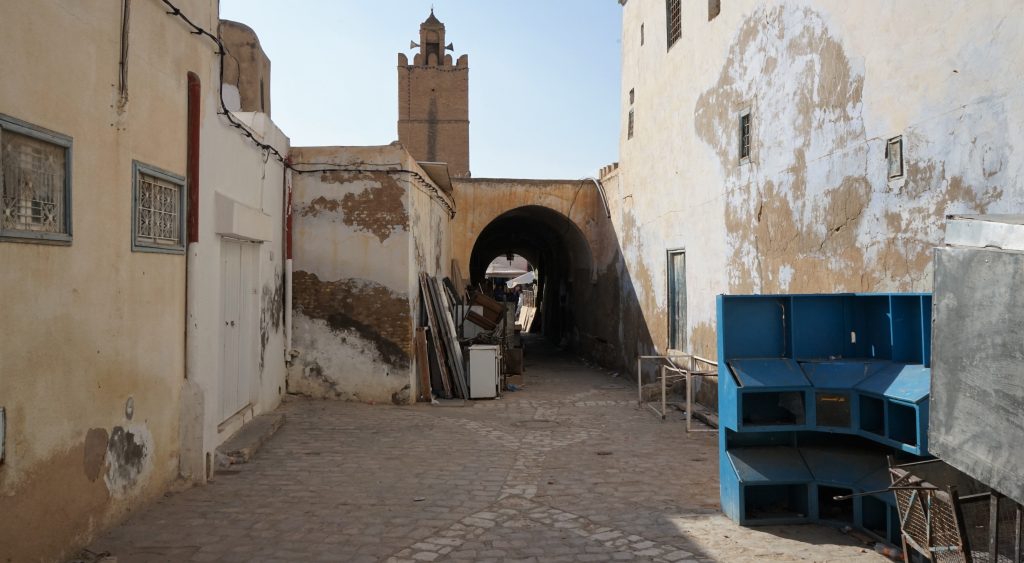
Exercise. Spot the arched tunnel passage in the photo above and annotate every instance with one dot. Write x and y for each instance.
(554, 245)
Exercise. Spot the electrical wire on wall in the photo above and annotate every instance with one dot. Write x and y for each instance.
(122, 76)
(300, 168)
(221, 53)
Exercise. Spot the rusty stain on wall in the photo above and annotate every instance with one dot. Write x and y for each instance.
(375, 312)
(378, 210)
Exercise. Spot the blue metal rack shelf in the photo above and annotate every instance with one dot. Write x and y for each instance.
(799, 366)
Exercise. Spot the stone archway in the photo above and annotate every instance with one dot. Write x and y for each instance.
(562, 227)
(554, 245)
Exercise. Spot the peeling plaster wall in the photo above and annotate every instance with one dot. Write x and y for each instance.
(360, 238)
(827, 83)
(91, 325)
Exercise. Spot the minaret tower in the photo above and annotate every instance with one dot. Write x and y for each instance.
(433, 101)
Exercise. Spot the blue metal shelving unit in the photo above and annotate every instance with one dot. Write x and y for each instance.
(814, 392)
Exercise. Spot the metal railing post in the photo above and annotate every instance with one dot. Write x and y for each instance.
(664, 402)
(639, 383)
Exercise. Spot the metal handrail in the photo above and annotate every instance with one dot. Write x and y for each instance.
(689, 372)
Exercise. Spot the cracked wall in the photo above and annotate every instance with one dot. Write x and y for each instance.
(826, 83)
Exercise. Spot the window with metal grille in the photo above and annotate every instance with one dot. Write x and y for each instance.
(674, 19)
(744, 136)
(894, 157)
(629, 130)
(35, 183)
(714, 8)
(159, 210)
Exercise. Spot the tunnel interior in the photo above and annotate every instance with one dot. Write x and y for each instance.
(553, 245)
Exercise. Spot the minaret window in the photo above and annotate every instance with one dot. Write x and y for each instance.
(433, 46)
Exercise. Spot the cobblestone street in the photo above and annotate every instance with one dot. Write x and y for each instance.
(567, 469)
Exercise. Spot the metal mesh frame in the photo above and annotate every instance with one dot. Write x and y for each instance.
(946, 527)
(928, 518)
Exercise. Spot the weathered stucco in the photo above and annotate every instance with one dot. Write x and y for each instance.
(827, 83)
(367, 220)
(358, 307)
(378, 209)
(91, 324)
(107, 400)
(246, 71)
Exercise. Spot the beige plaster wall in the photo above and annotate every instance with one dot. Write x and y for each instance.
(828, 82)
(92, 325)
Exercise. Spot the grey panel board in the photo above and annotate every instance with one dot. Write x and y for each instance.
(774, 373)
(775, 464)
(976, 421)
(842, 465)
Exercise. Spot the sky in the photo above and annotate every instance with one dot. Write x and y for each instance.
(543, 81)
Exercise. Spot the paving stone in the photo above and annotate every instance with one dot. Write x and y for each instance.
(338, 482)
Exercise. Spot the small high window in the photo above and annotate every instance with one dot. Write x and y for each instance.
(674, 21)
(158, 222)
(641, 34)
(629, 129)
(632, 95)
(894, 157)
(744, 136)
(35, 182)
(714, 8)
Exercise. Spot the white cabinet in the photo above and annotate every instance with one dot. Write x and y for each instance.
(484, 371)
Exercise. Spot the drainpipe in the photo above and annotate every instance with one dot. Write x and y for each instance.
(287, 261)
(191, 427)
(191, 214)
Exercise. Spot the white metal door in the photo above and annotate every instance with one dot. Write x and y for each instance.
(238, 344)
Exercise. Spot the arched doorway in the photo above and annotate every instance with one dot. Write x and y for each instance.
(554, 245)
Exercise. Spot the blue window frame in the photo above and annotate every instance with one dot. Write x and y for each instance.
(158, 210)
(35, 183)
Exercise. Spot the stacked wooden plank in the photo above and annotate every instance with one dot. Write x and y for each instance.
(443, 336)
